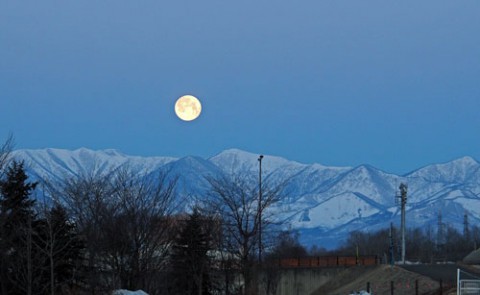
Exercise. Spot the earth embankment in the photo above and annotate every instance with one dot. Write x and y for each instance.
(380, 279)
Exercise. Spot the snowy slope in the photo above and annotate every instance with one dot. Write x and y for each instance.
(56, 164)
(324, 203)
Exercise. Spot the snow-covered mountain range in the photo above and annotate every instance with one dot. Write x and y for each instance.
(323, 203)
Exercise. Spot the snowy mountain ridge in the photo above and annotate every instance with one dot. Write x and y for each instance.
(323, 203)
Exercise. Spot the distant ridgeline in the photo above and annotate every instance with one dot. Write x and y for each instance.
(323, 203)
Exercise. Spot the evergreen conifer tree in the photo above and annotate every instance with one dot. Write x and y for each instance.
(16, 206)
(17, 223)
(191, 264)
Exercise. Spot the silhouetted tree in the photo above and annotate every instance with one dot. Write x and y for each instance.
(87, 199)
(126, 221)
(18, 222)
(58, 241)
(144, 209)
(286, 245)
(236, 200)
(5, 153)
(190, 261)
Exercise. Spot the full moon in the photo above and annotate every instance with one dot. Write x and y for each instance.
(188, 108)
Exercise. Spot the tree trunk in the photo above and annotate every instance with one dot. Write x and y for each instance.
(52, 273)
(3, 279)
(200, 284)
(29, 257)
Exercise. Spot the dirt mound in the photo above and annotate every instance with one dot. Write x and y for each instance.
(379, 278)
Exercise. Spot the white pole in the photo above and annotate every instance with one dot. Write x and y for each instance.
(458, 281)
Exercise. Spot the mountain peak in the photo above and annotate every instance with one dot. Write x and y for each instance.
(234, 159)
(236, 153)
(456, 171)
(113, 152)
(466, 160)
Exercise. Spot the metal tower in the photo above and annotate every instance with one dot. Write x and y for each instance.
(403, 202)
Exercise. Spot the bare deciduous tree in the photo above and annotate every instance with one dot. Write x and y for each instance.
(56, 239)
(144, 211)
(87, 200)
(236, 200)
(5, 153)
(125, 220)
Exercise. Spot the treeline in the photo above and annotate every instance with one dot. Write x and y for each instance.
(92, 233)
(424, 245)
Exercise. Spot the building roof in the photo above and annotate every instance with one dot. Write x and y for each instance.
(473, 257)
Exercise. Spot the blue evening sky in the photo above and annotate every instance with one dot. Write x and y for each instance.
(395, 84)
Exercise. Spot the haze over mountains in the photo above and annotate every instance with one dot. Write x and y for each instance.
(323, 203)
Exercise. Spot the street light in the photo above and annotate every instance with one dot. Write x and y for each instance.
(260, 209)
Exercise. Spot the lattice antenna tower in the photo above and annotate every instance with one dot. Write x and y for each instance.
(401, 198)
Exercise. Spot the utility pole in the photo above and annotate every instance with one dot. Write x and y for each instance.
(466, 227)
(403, 201)
(440, 232)
(390, 235)
(260, 209)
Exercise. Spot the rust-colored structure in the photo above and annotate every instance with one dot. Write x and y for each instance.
(327, 261)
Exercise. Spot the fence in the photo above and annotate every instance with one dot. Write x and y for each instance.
(327, 261)
(468, 285)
